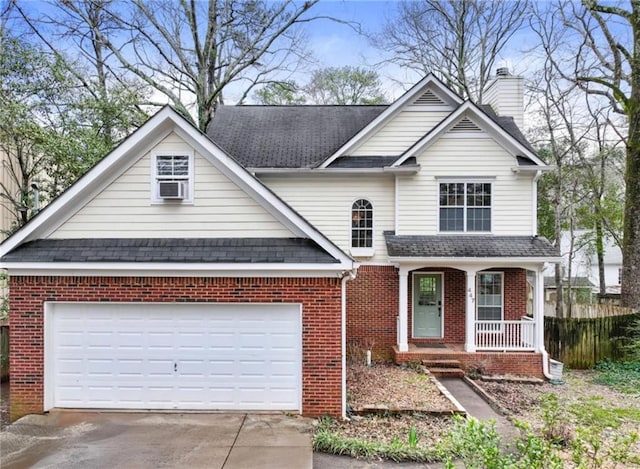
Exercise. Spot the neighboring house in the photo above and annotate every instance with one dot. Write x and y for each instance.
(582, 290)
(230, 270)
(8, 184)
(584, 261)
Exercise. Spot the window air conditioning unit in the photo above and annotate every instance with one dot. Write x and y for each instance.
(171, 189)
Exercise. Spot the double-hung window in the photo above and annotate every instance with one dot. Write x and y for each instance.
(490, 299)
(173, 178)
(465, 206)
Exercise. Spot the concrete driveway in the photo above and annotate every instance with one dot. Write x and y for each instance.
(154, 440)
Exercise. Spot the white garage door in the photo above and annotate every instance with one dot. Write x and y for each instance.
(173, 356)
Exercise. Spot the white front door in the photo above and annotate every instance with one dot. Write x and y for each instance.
(174, 356)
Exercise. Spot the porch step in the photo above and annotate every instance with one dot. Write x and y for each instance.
(444, 368)
(438, 363)
(447, 372)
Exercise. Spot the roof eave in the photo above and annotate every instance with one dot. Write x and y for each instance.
(170, 269)
(407, 169)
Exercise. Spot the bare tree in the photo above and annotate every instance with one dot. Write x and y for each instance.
(192, 51)
(345, 85)
(602, 56)
(458, 40)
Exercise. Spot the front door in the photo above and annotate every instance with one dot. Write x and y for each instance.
(427, 305)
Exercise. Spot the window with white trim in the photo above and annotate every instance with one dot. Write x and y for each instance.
(489, 297)
(465, 206)
(362, 227)
(173, 178)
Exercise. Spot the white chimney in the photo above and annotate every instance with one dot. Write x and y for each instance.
(505, 94)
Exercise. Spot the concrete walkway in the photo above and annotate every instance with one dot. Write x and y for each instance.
(478, 407)
(76, 440)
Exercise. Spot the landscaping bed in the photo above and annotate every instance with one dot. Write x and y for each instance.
(578, 424)
(395, 389)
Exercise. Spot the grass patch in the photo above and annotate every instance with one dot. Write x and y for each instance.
(623, 376)
(590, 412)
(403, 447)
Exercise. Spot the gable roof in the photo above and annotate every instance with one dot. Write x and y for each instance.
(287, 136)
(130, 150)
(320, 137)
(495, 127)
(414, 93)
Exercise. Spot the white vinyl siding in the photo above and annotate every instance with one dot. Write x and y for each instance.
(124, 209)
(326, 203)
(464, 159)
(400, 133)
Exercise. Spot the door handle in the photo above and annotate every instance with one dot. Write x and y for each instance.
(175, 366)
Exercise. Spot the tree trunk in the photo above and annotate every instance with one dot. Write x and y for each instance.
(602, 285)
(631, 241)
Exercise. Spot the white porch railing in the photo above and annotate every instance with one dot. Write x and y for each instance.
(505, 335)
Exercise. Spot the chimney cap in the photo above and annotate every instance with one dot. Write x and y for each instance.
(503, 72)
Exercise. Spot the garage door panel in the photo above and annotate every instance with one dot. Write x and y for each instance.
(167, 356)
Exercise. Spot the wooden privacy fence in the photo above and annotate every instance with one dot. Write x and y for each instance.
(4, 349)
(583, 342)
(589, 310)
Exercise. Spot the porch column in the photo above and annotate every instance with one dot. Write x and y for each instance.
(470, 313)
(538, 310)
(403, 287)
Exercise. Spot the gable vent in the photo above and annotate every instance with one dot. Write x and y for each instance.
(465, 125)
(429, 98)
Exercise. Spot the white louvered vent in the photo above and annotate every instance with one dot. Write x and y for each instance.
(429, 98)
(465, 125)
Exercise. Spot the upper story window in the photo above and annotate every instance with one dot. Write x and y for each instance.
(173, 178)
(465, 206)
(362, 228)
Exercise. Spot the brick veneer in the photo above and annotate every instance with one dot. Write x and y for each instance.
(321, 329)
(372, 307)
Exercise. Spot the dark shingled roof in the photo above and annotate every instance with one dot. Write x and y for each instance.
(287, 136)
(364, 161)
(469, 246)
(200, 250)
(305, 136)
(509, 125)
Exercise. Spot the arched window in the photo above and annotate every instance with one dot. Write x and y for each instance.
(362, 224)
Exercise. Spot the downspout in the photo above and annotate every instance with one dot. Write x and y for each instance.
(540, 308)
(346, 276)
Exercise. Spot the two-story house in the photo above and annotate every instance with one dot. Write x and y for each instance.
(232, 270)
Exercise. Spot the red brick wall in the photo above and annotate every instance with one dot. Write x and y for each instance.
(490, 363)
(372, 307)
(321, 330)
(515, 294)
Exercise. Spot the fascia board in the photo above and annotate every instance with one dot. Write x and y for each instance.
(492, 261)
(501, 135)
(59, 210)
(148, 269)
(262, 194)
(391, 111)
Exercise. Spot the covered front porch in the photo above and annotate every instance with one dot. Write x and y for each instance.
(479, 295)
(480, 307)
